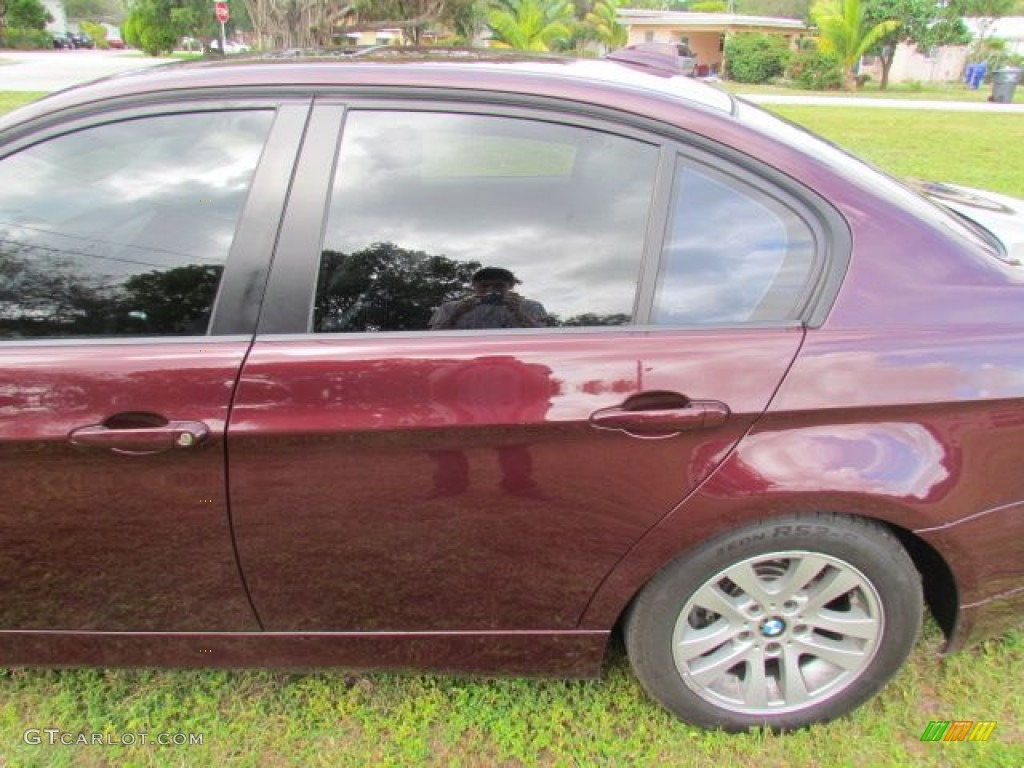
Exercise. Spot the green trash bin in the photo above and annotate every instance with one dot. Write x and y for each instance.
(1004, 82)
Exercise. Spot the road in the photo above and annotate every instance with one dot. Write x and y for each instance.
(53, 70)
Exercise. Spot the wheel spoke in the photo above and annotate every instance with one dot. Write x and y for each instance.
(711, 598)
(745, 577)
(801, 571)
(705, 671)
(841, 654)
(854, 623)
(841, 582)
(697, 642)
(794, 688)
(755, 684)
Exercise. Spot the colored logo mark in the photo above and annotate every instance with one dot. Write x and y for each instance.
(958, 730)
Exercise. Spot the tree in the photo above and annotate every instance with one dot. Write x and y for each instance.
(791, 9)
(385, 287)
(153, 26)
(176, 300)
(465, 18)
(843, 29)
(604, 24)
(531, 25)
(411, 16)
(922, 22)
(110, 11)
(297, 23)
(27, 14)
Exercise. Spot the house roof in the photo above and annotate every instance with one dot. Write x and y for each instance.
(647, 18)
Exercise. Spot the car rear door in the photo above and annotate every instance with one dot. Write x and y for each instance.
(386, 477)
(133, 247)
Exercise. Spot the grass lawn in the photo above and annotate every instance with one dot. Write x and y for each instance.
(331, 718)
(918, 91)
(328, 718)
(969, 148)
(13, 99)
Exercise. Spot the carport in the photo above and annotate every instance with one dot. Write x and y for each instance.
(704, 33)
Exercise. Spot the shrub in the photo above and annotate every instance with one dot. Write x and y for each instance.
(149, 27)
(14, 37)
(97, 32)
(752, 57)
(813, 70)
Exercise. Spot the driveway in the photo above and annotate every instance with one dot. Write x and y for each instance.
(54, 70)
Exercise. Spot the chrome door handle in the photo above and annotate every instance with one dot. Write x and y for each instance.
(142, 441)
(660, 414)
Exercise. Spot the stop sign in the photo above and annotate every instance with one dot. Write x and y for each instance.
(222, 11)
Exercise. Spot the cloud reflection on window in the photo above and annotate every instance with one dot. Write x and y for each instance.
(563, 208)
(94, 222)
(733, 254)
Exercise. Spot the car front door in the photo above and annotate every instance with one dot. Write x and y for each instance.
(122, 333)
(388, 475)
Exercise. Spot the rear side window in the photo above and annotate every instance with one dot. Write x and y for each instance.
(423, 200)
(733, 253)
(124, 228)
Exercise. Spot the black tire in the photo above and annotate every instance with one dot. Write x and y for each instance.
(823, 611)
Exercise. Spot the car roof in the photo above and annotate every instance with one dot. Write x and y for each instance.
(605, 82)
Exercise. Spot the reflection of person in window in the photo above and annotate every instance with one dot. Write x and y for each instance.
(493, 304)
(492, 391)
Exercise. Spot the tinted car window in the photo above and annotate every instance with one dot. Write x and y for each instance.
(422, 200)
(124, 228)
(732, 254)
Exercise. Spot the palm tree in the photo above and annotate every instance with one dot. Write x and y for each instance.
(843, 30)
(531, 25)
(605, 25)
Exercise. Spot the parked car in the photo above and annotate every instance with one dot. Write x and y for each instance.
(468, 361)
(230, 47)
(61, 41)
(81, 40)
(116, 43)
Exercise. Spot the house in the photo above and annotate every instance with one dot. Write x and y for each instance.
(946, 64)
(703, 33)
(1009, 28)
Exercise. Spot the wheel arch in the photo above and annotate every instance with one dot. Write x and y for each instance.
(939, 585)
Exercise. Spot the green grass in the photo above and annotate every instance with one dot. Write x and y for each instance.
(328, 718)
(261, 718)
(969, 148)
(911, 91)
(13, 99)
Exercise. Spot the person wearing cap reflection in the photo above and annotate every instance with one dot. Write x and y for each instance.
(492, 304)
(491, 389)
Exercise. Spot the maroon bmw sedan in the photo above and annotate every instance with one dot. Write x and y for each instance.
(468, 362)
